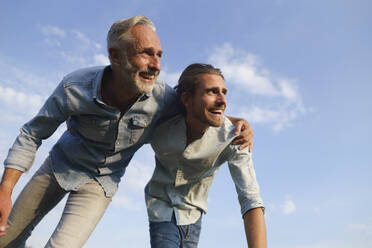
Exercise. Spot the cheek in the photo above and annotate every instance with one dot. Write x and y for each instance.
(141, 62)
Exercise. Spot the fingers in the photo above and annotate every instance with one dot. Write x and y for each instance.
(244, 141)
(239, 127)
(3, 229)
(4, 214)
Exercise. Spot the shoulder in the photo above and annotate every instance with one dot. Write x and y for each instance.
(81, 84)
(162, 90)
(82, 76)
(167, 98)
(171, 124)
(226, 130)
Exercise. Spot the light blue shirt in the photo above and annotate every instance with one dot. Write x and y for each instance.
(183, 174)
(106, 139)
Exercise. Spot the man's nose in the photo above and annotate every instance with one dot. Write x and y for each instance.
(155, 63)
(221, 99)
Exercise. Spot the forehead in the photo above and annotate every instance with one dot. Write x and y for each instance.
(206, 81)
(145, 37)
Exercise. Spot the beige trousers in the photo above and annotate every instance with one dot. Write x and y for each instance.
(84, 208)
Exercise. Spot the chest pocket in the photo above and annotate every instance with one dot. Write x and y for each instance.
(137, 126)
(95, 128)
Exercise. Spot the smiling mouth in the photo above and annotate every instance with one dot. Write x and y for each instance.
(218, 112)
(148, 76)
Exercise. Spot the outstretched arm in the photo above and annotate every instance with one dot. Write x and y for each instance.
(9, 180)
(244, 132)
(255, 229)
(21, 155)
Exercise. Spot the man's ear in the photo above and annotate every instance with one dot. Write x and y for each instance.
(116, 56)
(185, 99)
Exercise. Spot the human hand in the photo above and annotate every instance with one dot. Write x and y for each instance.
(244, 132)
(5, 207)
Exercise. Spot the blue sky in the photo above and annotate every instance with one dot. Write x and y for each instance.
(299, 71)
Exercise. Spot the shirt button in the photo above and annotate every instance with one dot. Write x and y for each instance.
(117, 142)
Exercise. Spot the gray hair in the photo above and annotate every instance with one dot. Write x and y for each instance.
(119, 31)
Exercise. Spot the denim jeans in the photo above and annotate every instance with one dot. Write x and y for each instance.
(170, 235)
(83, 209)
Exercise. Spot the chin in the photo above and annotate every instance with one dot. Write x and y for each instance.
(215, 123)
(144, 87)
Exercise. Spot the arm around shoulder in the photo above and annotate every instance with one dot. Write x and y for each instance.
(244, 132)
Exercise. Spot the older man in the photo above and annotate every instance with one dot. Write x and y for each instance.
(112, 111)
(189, 150)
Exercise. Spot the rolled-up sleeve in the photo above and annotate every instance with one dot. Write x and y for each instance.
(244, 177)
(54, 111)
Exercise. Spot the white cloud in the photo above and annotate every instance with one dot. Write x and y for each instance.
(244, 69)
(52, 42)
(15, 77)
(170, 78)
(101, 59)
(260, 115)
(53, 31)
(131, 190)
(280, 100)
(25, 102)
(73, 58)
(359, 226)
(123, 201)
(137, 175)
(288, 90)
(288, 207)
(81, 49)
(88, 43)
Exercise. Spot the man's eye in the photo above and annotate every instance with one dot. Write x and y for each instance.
(147, 52)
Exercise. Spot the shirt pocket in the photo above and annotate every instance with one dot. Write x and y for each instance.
(138, 125)
(95, 128)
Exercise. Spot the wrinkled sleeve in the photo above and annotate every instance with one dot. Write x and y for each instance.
(54, 111)
(244, 177)
(172, 104)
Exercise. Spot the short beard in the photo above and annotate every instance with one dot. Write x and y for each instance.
(135, 84)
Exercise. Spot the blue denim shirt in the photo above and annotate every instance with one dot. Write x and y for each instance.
(183, 174)
(106, 139)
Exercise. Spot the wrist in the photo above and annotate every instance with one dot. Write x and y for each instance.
(6, 188)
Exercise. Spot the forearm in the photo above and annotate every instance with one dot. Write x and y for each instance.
(255, 230)
(9, 180)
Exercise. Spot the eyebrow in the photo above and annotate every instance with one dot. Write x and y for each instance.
(216, 88)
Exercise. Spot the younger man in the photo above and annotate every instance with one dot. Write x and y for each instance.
(190, 148)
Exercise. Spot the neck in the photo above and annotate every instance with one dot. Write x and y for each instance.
(194, 131)
(115, 93)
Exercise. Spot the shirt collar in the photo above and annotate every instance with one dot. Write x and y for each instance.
(98, 82)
